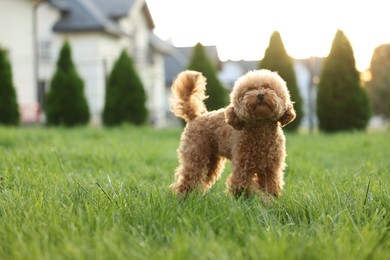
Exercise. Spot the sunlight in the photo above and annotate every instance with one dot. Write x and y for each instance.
(241, 30)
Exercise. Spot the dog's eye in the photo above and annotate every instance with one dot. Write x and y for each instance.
(272, 91)
(249, 89)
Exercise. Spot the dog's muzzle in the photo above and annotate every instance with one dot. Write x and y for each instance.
(260, 97)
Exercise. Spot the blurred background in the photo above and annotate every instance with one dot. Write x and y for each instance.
(163, 38)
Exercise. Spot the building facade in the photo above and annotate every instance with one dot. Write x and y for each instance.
(33, 33)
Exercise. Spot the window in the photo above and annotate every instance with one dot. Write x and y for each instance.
(44, 50)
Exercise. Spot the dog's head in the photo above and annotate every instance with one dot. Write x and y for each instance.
(257, 96)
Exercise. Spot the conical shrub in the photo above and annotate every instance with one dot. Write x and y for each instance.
(277, 59)
(217, 94)
(65, 103)
(9, 111)
(342, 103)
(378, 87)
(125, 95)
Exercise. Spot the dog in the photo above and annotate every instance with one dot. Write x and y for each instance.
(248, 132)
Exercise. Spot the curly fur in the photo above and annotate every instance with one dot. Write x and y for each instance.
(248, 132)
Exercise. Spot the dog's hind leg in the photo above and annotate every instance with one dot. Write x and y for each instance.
(187, 180)
(192, 173)
(215, 168)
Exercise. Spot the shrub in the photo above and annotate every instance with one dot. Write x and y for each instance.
(9, 111)
(125, 95)
(342, 104)
(379, 85)
(66, 104)
(217, 94)
(277, 59)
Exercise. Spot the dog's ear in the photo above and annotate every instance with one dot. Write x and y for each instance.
(232, 118)
(288, 116)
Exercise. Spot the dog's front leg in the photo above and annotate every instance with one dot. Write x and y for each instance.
(271, 183)
(239, 183)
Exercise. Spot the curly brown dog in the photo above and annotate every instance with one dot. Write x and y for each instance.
(248, 132)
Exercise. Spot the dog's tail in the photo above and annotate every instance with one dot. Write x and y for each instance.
(188, 93)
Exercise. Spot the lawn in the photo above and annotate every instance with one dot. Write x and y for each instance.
(93, 193)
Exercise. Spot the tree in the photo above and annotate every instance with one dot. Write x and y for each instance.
(342, 104)
(125, 95)
(9, 111)
(379, 85)
(65, 103)
(217, 94)
(277, 59)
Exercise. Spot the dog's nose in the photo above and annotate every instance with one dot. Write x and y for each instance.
(260, 96)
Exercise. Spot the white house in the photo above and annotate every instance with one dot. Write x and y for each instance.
(33, 32)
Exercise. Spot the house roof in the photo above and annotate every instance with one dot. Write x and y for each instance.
(174, 64)
(60, 4)
(159, 45)
(95, 15)
(84, 15)
(115, 9)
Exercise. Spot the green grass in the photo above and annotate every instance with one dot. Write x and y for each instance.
(90, 193)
